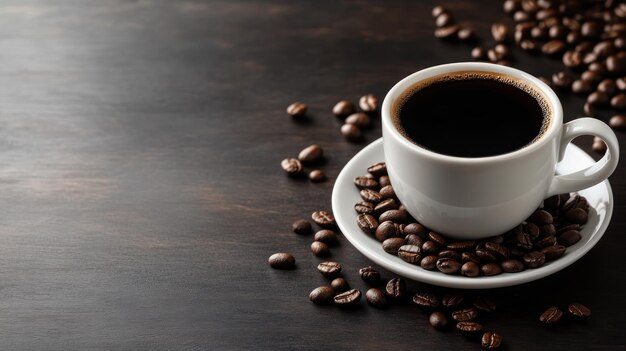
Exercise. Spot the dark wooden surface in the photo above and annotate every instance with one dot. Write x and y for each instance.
(141, 191)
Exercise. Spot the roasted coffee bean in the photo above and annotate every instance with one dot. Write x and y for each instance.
(604, 48)
(484, 304)
(371, 196)
(618, 102)
(499, 31)
(282, 260)
(438, 320)
(577, 216)
(317, 176)
(491, 341)
(569, 238)
(590, 58)
(368, 103)
(348, 298)
(415, 228)
(378, 169)
(429, 262)
(598, 67)
(326, 236)
(512, 266)
(367, 223)
(478, 53)
(621, 84)
(499, 251)
(340, 285)
(490, 269)
(461, 245)
(365, 183)
(528, 46)
(465, 315)
(376, 298)
(447, 32)
(370, 275)
(297, 109)
(579, 310)
(591, 29)
(429, 248)
(532, 230)
(343, 109)
(396, 288)
(448, 265)
(384, 181)
(438, 238)
(598, 145)
(573, 38)
(523, 240)
(494, 56)
(553, 47)
(591, 76)
(616, 64)
(364, 207)
(392, 245)
(545, 242)
(465, 34)
(540, 217)
(598, 98)
(320, 249)
(386, 230)
(301, 226)
(413, 239)
(562, 80)
(386, 205)
(438, 10)
(445, 19)
(322, 295)
(351, 132)
(546, 230)
(607, 86)
(396, 216)
(534, 259)
(589, 109)
(291, 166)
(359, 119)
(553, 252)
(311, 154)
(449, 254)
(521, 16)
(618, 122)
(410, 253)
(469, 328)
(568, 227)
(538, 33)
(557, 32)
(483, 254)
(426, 301)
(324, 219)
(387, 192)
(470, 269)
(551, 316)
(581, 86)
(329, 269)
(453, 300)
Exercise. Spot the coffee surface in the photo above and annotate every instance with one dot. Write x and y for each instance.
(472, 115)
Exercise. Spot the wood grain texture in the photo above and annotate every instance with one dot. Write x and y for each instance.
(140, 144)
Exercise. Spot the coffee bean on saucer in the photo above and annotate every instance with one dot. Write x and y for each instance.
(429, 247)
(512, 266)
(448, 266)
(297, 109)
(396, 216)
(581, 86)
(489, 269)
(282, 260)
(322, 295)
(618, 122)
(339, 284)
(499, 31)
(386, 205)
(450, 254)
(479, 53)
(324, 219)
(465, 315)
(392, 245)
(371, 196)
(367, 223)
(378, 169)
(491, 341)
(384, 181)
(370, 275)
(426, 301)
(343, 109)
(376, 298)
(368, 103)
(311, 154)
(329, 269)
(387, 192)
(469, 328)
(317, 176)
(348, 299)
(359, 119)
(386, 230)
(415, 228)
(579, 310)
(553, 252)
(484, 304)
(364, 207)
(362, 182)
(351, 132)
(301, 226)
(326, 236)
(429, 262)
(577, 216)
(320, 249)
(470, 269)
(410, 253)
(534, 259)
(396, 288)
(569, 238)
(551, 316)
(291, 166)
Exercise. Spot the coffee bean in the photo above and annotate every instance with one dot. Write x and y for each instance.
(377, 169)
(523, 241)
(448, 266)
(367, 223)
(512, 266)
(461, 245)
(553, 47)
(386, 230)
(521, 16)
(326, 236)
(282, 260)
(320, 249)
(470, 269)
(429, 262)
(562, 80)
(386, 205)
(351, 132)
(387, 192)
(396, 288)
(494, 56)
(447, 32)
(598, 145)
(591, 29)
(438, 10)
(415, 228)
(322, 295)
(370, 275)
(469, 328)
(498, 251)
(410, 253)
(348, 299)
(311, 154)
(534, 259)
(619, 102)
(343, 109)
(317, 176)
(429, 248)
(368, 103)
(590, 76)
(581, 86)
(449, 254)
(490, 269)
(324, 219)
(365, 183)
(569, 238)
(607, 86)
(465, 315)
(589, 109)
(392, 245)
(364, 207)
(618, 122)
(577, 216)
(340, 285)
(551, 316)
(510, 6)
(371, 196)
(579, 310)
(553, 252)
(376, 298)
(329, 269)
(528, 46)
(604, 48)
(301, 226)
(483, 254)
(426, 301)
(438, 320)
(478, 53)
(621, 84)
(557, 32)
(465, 34)
(491, 341)
(546, 230)
(445, 19)
(616, 64)
(598, 98)
(484, 304)
(438, 238)
(573, 38)
(384, 181)
(291, 166)
(297, 109)
(359, 119)
(598, 67)
(499, 31)
(396, 216)
(545, 242)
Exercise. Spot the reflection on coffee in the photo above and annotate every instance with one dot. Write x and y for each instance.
(472, 114)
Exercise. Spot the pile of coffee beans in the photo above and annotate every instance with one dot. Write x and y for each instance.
(447, 28)
(354, 121)
(543, 237)
(311, 155)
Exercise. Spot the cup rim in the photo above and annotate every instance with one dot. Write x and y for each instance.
(409, 81)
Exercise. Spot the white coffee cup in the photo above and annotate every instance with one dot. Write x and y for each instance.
(473, 198)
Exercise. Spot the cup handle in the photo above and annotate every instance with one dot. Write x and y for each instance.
(595, 173)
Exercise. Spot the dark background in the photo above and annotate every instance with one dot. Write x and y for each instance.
(142, 192)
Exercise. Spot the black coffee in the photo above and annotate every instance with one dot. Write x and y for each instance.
(472, 115)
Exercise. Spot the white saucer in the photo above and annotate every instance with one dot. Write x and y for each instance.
(345, 195)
